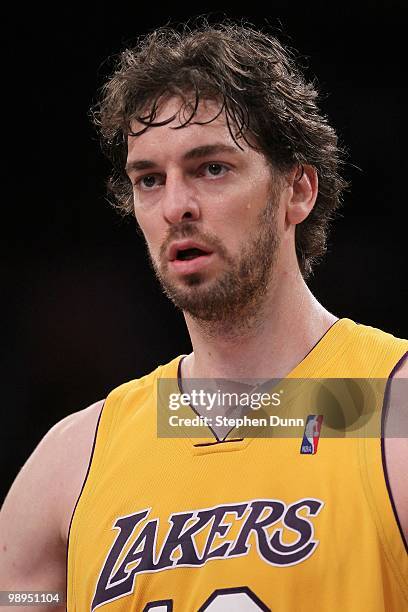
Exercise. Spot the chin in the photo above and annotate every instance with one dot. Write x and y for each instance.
(194, 280)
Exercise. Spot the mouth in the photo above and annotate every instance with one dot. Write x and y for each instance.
(188, 256)
(186, 250)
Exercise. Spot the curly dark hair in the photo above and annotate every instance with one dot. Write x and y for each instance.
(266, 99)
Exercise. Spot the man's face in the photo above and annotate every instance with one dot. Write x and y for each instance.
(208, 211)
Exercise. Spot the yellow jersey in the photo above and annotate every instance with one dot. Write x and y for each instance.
(187, 525)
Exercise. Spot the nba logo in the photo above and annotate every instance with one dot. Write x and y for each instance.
(311, 434)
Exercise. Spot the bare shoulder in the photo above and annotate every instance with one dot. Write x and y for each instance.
(396, 442)
(71, 441)
(36, 513)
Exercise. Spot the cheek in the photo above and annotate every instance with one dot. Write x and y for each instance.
(250, 202)
(240, 201)
(150, 230)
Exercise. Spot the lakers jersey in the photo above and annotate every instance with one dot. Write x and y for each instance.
(247, 524)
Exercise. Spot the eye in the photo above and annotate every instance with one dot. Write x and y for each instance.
(148, 182)
(214, 169)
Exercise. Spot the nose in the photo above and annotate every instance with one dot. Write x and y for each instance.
(179, 202)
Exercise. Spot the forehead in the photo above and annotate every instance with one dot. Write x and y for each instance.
(204, 128)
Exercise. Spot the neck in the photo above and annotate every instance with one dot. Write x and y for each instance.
(287, 326)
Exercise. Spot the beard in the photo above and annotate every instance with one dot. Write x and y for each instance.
(237, 294)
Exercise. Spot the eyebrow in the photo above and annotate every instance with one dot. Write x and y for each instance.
(196, 153)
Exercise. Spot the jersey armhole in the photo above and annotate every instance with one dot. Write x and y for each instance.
(87, 472)
(70, 546)
(379, 495)
(384, 415)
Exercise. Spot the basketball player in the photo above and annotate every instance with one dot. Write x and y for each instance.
(232, 172)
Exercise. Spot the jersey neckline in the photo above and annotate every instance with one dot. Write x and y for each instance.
(313, 365)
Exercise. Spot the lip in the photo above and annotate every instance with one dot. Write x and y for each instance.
(189, 266)
(183, 245)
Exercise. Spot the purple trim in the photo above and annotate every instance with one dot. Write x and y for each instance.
(320, 339)
(217, 439)
(179, 373)
(220, 441)
(82, 489)
(383, 458)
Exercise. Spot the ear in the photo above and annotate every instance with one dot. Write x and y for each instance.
(304, 183)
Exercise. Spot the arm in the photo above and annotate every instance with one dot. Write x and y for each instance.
(35, 517)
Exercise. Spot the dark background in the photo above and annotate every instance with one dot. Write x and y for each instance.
(82, 312)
